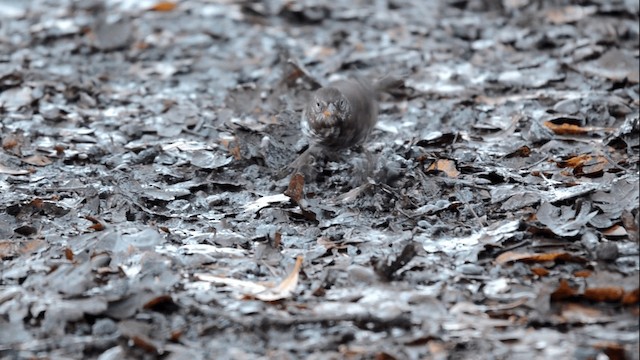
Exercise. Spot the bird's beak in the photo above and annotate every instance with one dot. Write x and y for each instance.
(329, 111)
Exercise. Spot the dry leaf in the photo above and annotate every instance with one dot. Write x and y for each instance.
(582, 273)
(285, 288)
(540, 271)
(523, 151)
(37, 160)
(8, 249)
(446, 166)
(615, 231)
(9, 142)
(158, 301)
(296, 187)
(574, 312)
(512, 256)
(563, 291)
(571, 129)
(613, 351)
(570, 14)
(164, 6)
(68, 254)
(265, 201)
(631, 297)
(241, 285)
(31, 246)
(586, 164)
(260, 291)
(8, 171)
(604, 294)
(97, 225)
(145, 343)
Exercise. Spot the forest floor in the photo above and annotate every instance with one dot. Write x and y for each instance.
(492, 214)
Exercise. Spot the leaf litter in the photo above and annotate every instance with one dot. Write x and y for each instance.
(146, 212)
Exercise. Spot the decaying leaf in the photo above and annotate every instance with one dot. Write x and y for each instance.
(263, 291)
(571, 129)
(296, 188)
(595, 294)
(569, 14)
(164, 6)
(446, 166)
(9, 171)
(540, 271)
(265, 201)
(512, 256)
(586, 164)
(37, 160)
(604, 294)
(285, 288)
(97, 225)
(563, 291)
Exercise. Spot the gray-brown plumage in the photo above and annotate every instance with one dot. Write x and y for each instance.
(340, 115)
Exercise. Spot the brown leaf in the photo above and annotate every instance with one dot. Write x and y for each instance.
(570, 14)
(615, 231)
(631, 297)
(68, 254)
(145, 343)
(330, 244)
(540, 271)
(31, 246)
(176, 335)
(163, 6)
(575, 312)
(97, 225)
(235, 151)
(59, 150)
(277, 240)
(8, 249)
(564, 291)
(9, 171)
(158, 301)
(523, 151)
(586, 164)
(571, 129)
(9, 142)
(582, 273)
(446, 166)
(575, 161)
(384, 356)
(37, 203)
(512, 256)
(613, 351)
(604, 294)
(296, 187)
(285, 288)
(232, 145)
(37, 160)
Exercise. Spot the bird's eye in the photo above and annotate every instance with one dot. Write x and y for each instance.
(342, 103)
(318, 105)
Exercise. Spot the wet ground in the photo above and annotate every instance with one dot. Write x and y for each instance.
(146, 210)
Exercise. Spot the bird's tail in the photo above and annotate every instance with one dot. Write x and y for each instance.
(388, 83)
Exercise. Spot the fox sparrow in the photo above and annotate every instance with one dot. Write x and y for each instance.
(341, 115)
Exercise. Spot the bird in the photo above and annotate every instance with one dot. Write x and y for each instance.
(341, 115)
